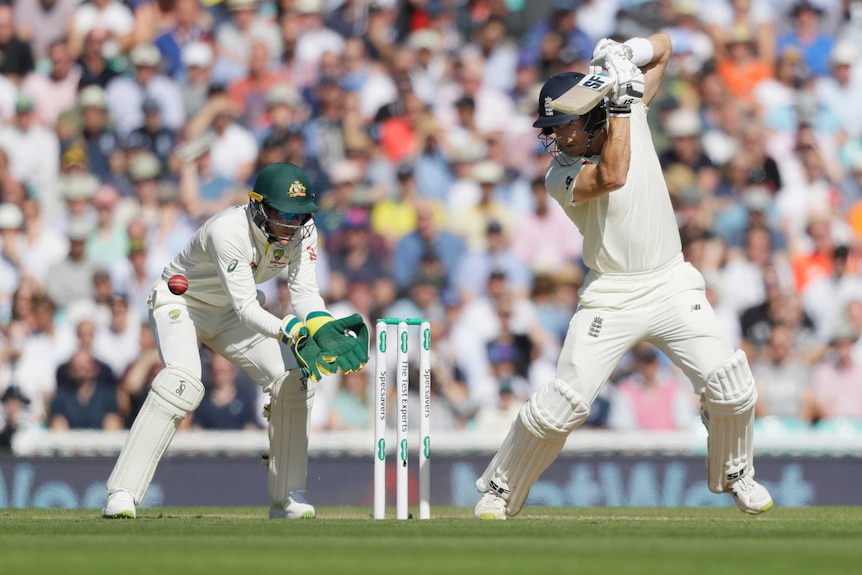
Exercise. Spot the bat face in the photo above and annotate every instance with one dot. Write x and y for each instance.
(583, 96)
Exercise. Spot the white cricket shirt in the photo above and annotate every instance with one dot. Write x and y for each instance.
(632, 229)
(229, 255)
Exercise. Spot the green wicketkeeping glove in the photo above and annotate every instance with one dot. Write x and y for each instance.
(347, 340)
(308, 355)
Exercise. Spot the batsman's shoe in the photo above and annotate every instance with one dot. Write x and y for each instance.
(750, 496)
(296, 507)
(120, 505)
(491, 507)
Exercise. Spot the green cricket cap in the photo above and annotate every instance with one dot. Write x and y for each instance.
(284, 187)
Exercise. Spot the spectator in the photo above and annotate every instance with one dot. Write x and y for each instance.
(96, 139)
(153, 136)
(350, 406)
(783, 380)
(126, 95)
(118, 343)
(229, 403)
(427, 238)
(191, 25)
(14, 415)
(233, 148)
(71, 280)
(742, 69)
(108, 243)
(651, 398)
(545, 238)
(41, 22)
(837, 379)
(96, 68)
(499, 255)
(56, 91)
(33, 150)
(112, 15)
(17, 55)
(248, 93)
(513, 389)
(41, 353)
(194, 85)
(234, 39)
(86, 402)
(806, 35)
(842, 86)
(357, 253)
(472, 222)
(826, 297)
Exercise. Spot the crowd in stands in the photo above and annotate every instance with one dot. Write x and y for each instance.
(124, 124)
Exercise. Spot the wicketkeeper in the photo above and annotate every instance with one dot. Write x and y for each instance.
(234, 250)
(606, 175)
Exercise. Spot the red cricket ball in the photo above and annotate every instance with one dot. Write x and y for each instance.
(178, 284)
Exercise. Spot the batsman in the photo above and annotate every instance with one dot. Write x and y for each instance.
(229, 254)
(606, 175)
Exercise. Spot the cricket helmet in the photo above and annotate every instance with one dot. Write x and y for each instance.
(282, 200)
(555, 87)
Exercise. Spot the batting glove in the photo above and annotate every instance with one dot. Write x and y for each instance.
(307, 352)
(606, 47)
(628, 86)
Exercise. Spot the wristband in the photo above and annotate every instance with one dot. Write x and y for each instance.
(642, 51)
(316, 320)
(617, 111)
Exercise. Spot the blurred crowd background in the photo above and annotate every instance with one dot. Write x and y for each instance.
(126, 123)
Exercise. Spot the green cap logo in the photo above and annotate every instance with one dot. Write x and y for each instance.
(426, 338)
(382, 341)
(278, 254)
(232, 266)
(174, 314)
(404, 342)
(381, 449)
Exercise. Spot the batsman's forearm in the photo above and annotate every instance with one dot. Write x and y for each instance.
(613, 168)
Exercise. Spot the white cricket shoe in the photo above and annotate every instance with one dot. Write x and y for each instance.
(120, 505)
(750, 496)
(296, 507)
(491, 507)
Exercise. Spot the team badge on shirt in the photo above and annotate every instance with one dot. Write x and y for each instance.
(296, 189)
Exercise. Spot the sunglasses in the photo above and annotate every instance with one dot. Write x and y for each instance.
(284, 217)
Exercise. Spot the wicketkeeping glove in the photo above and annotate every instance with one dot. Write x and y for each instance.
(305, 349)
(347, 340)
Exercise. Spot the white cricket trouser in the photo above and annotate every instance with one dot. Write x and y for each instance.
(666, 307)
(181, 323)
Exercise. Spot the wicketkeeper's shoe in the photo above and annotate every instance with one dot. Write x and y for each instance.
(750, 496)
(491, 507)
(120, 505)
(296, 507)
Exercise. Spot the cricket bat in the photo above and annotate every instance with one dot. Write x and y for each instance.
(583, 96)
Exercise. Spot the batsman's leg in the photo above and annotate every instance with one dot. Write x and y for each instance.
(174, 394)
(534, 441)
(728, 413)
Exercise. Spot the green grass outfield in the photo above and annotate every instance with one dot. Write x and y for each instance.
(217, 541)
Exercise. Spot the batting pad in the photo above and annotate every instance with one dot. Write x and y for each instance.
(728, 403)
(174, 394)
(292, 399)
(534, 441)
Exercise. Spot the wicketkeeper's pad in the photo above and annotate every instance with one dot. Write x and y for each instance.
(174, 394)
(291, 400)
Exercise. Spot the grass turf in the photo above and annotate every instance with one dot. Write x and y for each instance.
(217, 541)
